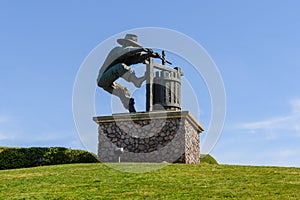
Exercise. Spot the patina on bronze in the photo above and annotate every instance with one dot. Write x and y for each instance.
(117, 65)
(163, 86)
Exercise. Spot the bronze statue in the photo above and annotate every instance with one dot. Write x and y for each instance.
(117, 65)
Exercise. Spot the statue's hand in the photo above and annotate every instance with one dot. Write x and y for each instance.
(156, 55)
(150, 51)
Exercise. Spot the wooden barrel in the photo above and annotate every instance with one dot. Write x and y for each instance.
(167, 89)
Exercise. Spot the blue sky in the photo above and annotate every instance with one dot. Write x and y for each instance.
(255, 44)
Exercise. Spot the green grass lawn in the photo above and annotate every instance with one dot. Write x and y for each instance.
(176, 181)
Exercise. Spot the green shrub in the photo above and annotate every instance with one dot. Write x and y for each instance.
(2, 149)
(12, 158)
(80, 156)
(33, 154)
(207, 159)
(29, 157)
(55, 155)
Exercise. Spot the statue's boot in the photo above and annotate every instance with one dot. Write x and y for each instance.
(131, 106)
(131, 77)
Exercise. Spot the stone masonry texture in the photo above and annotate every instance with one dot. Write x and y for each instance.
(160, 136)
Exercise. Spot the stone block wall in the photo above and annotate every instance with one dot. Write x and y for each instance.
(170, 136)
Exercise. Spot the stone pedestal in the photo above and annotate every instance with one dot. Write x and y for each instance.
(158, 136)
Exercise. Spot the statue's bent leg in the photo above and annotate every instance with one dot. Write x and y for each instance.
(107, 78)
(124, 95)
(120, 70)
(131, 77)
(106, 81)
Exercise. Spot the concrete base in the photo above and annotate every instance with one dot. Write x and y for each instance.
(158, 136)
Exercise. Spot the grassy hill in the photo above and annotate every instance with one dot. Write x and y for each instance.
(176, 181)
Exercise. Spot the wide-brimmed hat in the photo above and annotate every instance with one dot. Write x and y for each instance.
(130, 39)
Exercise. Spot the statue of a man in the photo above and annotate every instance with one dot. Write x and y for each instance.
(117, 65)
